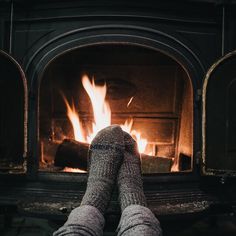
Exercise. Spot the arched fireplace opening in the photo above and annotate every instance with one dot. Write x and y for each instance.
(144, 87)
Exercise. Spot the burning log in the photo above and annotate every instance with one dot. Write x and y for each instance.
(71, 153)
(154, 164)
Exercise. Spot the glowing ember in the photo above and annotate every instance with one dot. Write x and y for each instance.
(131, 99)
(74, 170)
(101, 113)
(175, 167)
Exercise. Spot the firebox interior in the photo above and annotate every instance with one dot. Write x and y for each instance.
(143, 85)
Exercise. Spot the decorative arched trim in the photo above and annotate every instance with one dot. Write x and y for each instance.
(105, 34)
(132, 35)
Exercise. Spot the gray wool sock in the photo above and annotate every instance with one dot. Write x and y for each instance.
(105, 157)
(129, 180)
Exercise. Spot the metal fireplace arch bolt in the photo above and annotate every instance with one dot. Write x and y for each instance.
(36, 62)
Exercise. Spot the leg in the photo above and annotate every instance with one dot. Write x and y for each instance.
(105, 157)
(136, 218)
(83, 220)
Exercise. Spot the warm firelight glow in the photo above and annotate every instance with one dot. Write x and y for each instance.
(142, 143)
(74, 170)
(101, 108)
(127, 126)
(131, 99)
(101, 113)
(75, 121)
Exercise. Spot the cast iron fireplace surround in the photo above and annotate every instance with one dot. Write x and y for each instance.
(47, 45)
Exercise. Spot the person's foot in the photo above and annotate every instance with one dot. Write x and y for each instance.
(104, 160)
(129, 179)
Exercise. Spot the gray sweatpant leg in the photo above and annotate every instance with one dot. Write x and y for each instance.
(85, 221)
(138, 220)
(88, 221)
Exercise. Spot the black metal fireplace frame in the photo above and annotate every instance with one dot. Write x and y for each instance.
(54, 194)
(102, 35)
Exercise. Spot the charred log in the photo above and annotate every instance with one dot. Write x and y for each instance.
(155, 164)
(71, 153)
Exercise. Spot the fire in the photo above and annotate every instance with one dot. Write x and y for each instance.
(101, 113)
(75, 121)
(101, 108)
(127, 126)
(142, 143)
(74, 170)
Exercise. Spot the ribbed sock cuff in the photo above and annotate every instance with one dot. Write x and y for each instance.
(95, 200)
(132, 198)
(98, 193)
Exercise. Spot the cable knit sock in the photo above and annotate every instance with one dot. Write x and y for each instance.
(129, 180)
(105, 157)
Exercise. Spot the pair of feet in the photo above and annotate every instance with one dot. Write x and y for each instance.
(113, 158)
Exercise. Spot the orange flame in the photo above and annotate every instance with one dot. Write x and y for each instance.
(142, 143)
(101, 108)
(101, 113)
(127, 126)
(75, 121)
(74, 170)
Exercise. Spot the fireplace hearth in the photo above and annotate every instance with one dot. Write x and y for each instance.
(168, 69)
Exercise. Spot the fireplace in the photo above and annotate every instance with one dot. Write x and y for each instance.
(144, 87)
(154, 63)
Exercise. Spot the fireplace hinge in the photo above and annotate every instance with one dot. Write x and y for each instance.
(198, 157)
(199, 94)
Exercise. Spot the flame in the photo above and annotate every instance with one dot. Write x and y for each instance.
(101, 108)
(74, 170)
(142, 143)
(175, 167)
(101, 113)
(75, 121)
(127, 126)
(131, 99)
